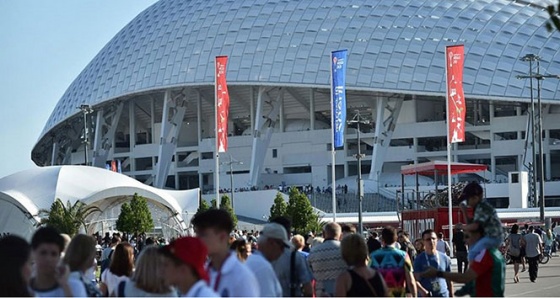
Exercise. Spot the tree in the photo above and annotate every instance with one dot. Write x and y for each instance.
(301, 212)
(203, 206)
(135, 217)
(279, 207)
(554, 21)
(67, 218)
(225, 204)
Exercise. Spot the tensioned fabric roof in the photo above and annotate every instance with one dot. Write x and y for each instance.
(438, 166)
(394, 46)
(23, 194)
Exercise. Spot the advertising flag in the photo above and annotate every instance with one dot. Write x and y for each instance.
(113, 165)
(222, 103)
(338, 93)
(119, 166)
(455, 96)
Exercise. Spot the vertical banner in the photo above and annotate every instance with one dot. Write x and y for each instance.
(119, 165)
(222, 104)
(338, 93)
(455, 96)
(113, 165)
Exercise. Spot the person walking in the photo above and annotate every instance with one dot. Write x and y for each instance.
(487, 270)
(326, 260)
(431, 257)
(514, 242)
(227, 275)
(359, 280)
(460, 249)
(533, 250)
(16, 269)
(394, 265)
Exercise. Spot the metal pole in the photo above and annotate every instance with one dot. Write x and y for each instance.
(360, 183)
(85, 137)
(231, 181)
(541, 153)
(533, 143)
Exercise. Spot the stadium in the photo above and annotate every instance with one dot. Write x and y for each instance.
(146, 101)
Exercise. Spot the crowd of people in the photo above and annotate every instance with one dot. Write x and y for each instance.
(269, 263)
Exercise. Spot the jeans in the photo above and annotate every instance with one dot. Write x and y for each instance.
(482, 243)
(462, 260)
(533, 267)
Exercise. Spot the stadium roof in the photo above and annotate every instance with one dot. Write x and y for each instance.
(394, 46)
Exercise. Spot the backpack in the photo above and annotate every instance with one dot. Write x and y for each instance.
(107, 262)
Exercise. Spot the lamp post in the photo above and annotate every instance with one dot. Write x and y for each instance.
(231, 162)
(86, 109)
(537, 128)
(357, 119)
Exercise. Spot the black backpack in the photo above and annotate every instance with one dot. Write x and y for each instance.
(107, 262)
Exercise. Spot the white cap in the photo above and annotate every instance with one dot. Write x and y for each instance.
(275, 231)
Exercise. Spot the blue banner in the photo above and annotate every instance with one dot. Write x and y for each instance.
(338, 93)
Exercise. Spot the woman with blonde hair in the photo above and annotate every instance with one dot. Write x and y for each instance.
(122, 264)
(148, 278)
(79, 257)
(360, 280)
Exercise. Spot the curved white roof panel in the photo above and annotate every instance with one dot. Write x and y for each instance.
(31, 190)
(393, 45)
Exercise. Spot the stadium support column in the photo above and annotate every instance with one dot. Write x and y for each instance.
(264, 127)
(171, 122)
(105, 128)
(384, 128)
(54, 153)
(312, 109)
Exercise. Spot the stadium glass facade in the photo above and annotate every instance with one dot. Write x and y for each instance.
(151, 91)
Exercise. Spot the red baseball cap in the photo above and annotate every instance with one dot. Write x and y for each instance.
(191, 251)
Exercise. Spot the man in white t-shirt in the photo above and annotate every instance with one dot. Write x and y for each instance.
(183, 267)
(228, 276)
(50, 278)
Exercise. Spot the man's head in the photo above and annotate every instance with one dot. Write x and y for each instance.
(213, 228)
(531, 229)
(440, 236)
(429, 239)
(273, 241)
(115, 241)
(459, 227)
(298, 241)
(332, 230)
(47, 245)
(184, 260)
(388, 235)
(403, 236)
(472, 193)
(347, 229)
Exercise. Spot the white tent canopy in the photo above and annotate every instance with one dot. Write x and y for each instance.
(23, 194)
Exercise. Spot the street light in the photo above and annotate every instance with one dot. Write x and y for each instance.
(231, 162)
(86, 109)
(359, 120)
(537, 127)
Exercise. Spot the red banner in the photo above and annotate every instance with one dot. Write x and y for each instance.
(222, 104)
(455, 96)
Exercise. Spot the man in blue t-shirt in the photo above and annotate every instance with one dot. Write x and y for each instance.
(431, 257)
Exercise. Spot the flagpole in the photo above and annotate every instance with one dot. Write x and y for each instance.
(449, 190)
(333, 153)
(217, 159)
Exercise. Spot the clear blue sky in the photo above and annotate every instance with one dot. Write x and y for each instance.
(44, 45)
